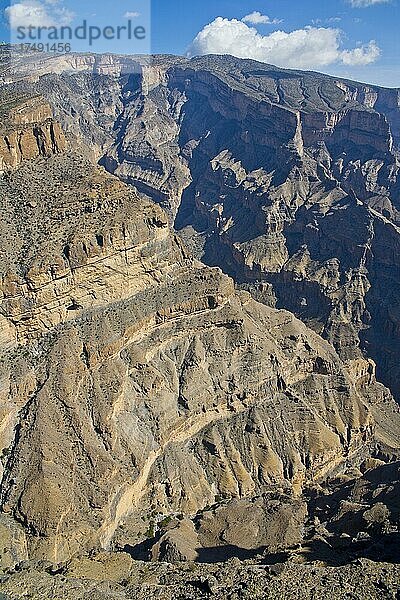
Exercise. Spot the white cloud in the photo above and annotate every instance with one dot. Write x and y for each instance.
(131, 15)
(366, 3)
(364, 55)
(326, 21)
(306, 48)
(256, 18)
(38, 14)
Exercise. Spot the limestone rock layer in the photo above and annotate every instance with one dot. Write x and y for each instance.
(137, 384)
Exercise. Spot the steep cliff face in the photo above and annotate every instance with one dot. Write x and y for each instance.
(280, 178)
(288, 178)
(28, 131)
(136, 384)
(135, 380)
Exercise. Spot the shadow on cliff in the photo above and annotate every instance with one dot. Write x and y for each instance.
(219, 554)
(335, 552)
(210, 555)
(141, 551)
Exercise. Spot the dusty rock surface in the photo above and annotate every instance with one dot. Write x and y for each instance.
(233, 580)
(137, 383)
(280, 178)
(153, 408)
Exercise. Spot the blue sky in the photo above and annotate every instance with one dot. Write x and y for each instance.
(357, 39)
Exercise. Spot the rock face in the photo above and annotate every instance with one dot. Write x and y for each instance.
(145, 402)
(280, 178)
(178, 544)
(28, 131)
(239, 528)
(135, 379)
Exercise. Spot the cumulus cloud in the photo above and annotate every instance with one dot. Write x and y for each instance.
(364, 55)
(366, 3)
(131, 15)
(307, 48)
(38, 14)
(256, 18)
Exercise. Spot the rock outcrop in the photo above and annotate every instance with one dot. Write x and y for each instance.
(280, 178)
(147, 404)
(135, 380)
(28, 131)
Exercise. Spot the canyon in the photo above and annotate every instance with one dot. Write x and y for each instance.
(199, 325)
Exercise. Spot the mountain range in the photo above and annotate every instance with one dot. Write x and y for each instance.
(199, 329)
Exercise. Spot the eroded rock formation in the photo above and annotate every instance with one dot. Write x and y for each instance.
(28, 131)
(145, 400)
(278, 177)
(135, 379)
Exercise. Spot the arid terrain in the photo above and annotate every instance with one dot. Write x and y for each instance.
(199, 330)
